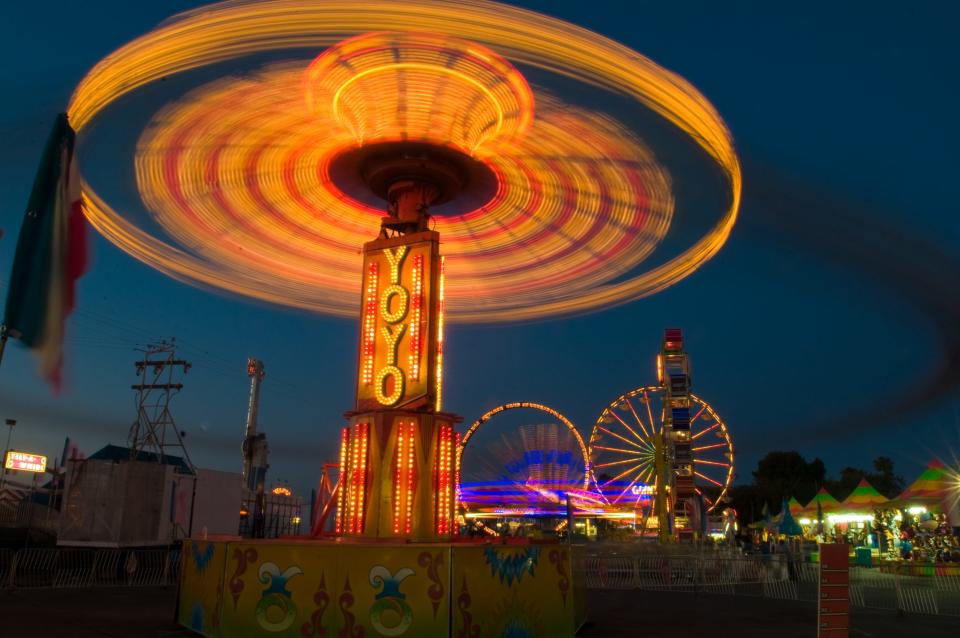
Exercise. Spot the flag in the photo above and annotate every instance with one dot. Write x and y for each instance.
(51, 255)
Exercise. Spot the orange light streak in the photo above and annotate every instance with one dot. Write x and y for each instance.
(416, 345)
(369, 325)
(699, 434)
(410, 470)
(456, 480)
(343, 480)
(707, 478)
(226, 163)
(624, 424)
(441, 302)
(639, 420)
(708, 447)
(359, 476)
(706, 462)
(622, 438)
(398, 481)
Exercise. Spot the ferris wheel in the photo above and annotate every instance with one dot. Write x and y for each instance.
(623, 449)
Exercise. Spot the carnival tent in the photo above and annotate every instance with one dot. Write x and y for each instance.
(864, 499)
(932, 488)
(823, 503)
(788, 524)
(794, 506)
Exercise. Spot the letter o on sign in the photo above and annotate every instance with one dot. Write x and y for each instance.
(380, 386)
(403, 304)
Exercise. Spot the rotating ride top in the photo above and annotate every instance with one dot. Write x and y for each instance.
(265, 182)
(527, 470)
(663, 452)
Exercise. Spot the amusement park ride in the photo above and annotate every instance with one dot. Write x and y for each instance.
(658, 457)
(265, 185)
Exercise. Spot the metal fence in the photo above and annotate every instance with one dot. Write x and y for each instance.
(772, 577)
(68, 567)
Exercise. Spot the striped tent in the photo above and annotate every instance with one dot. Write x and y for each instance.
(826, 502)
(794, 506)
(932, 488)
(864, 499)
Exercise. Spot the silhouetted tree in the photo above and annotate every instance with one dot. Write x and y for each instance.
(779, 475)
(884, 479)
(849, 477)
(785, 474)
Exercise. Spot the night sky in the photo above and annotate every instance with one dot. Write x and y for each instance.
(829, 324)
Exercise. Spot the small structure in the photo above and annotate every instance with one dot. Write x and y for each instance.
(113, 500)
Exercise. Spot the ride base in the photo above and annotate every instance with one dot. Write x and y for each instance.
(355, 589)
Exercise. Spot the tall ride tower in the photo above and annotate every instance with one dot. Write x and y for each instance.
(674, 373)
(255, 449)
(398, 453)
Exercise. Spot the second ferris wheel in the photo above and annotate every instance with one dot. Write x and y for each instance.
(663, 451)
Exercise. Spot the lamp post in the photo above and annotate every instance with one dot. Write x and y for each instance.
(6, 452)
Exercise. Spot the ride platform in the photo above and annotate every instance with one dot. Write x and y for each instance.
(337, 587)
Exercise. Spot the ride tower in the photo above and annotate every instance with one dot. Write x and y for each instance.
(673, 369)
(398, 453)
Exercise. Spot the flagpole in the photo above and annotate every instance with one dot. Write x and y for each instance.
(3, 342)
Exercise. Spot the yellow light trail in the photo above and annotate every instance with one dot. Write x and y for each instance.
(519, 269)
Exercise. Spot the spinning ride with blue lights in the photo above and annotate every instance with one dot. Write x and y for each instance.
(527, 471)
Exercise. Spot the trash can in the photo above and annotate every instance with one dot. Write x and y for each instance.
(864, 556)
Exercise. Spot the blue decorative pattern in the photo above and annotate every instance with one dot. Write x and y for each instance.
(196, 617)
(510, 565)
(201, 557)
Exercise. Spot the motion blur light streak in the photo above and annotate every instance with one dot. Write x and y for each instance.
(419, 86)
(238, 172)
(253, 196)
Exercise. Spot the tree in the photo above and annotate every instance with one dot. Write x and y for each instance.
(884, 480)
(849, 477)
(785, 474)
(779, 475)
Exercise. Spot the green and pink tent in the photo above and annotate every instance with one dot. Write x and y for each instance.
(864, 499)
(932, 489)
(827, 504)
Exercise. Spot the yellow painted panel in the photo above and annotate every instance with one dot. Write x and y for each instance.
(274, 589)
(514, 590)
(201, 587)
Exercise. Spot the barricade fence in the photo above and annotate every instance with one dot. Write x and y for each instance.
(777, 576)
(65, 567)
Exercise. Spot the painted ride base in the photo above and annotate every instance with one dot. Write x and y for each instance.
(277, 588)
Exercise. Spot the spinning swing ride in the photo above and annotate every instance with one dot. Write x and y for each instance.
(415, 121)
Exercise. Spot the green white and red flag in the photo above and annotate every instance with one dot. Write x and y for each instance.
(51, 255)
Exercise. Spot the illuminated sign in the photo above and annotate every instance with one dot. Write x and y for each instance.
(26, 462)
(642, 490)
(282, 491)
(398, 338)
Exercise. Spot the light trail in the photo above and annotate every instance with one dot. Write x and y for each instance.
(228, 208)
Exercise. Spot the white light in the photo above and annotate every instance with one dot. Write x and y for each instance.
(916, 510)
(849, 518)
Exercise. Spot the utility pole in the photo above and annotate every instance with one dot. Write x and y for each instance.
(155, 431)
(6, 452)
